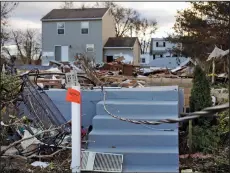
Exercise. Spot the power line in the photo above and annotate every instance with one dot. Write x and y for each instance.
(210, 111)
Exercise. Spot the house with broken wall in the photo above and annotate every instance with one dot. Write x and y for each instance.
(68, 32)
(127, 47)
(162, 55)
(161, 48)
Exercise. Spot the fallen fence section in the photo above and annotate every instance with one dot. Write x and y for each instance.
(43, 111)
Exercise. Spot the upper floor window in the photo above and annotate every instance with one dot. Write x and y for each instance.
(61, 28)
(84, 27)
(90, 48)
(160, 44)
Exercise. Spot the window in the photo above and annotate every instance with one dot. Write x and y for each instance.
(61, 28)
(143, 60)
(84, 27)
(160, 44)
(109, 59)
(156, 44)
(90, 48)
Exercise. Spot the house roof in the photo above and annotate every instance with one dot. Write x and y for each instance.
(74, 14)
(159, 39)
(120, 42)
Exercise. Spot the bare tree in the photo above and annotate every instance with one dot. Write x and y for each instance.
(6, 9)
(128, 22)
(87, 64)
(125, 18)
(28, 44)
(83, 6)
(70, 5)
(67, 5)
(144, 31)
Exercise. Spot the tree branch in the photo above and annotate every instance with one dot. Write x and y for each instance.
(37, 134)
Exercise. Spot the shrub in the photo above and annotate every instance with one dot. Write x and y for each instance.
(205, 136)
(200, 94)
(206, 140)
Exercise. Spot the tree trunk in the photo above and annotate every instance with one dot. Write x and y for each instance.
(213, 70)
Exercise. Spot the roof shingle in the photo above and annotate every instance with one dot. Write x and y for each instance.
(86, 13)
(120, 42)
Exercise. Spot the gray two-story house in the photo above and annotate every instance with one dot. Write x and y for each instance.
(67, 32)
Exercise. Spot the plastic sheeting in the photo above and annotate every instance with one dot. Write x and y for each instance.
(217, 53)
(25, 144)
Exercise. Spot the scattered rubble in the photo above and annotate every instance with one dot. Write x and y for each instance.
(118, 73)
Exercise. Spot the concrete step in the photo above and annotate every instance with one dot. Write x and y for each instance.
(150, 169)
(158, 93)
(137, 108)
(124, 138)
(144, 156)
(107, 122)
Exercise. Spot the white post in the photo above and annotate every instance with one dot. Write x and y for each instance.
(76, 134)
(72, 82)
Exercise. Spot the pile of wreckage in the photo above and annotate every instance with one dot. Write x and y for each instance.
(49, 122)
(116, 74)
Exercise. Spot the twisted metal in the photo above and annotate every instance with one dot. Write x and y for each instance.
(43, 111)
(210, 111)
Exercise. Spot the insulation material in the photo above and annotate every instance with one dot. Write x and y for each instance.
(25, 144)
(40, 164)
(217, 53)
(54, 69)
(78, 70)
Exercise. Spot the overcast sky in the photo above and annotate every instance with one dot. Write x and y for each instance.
(28, 14)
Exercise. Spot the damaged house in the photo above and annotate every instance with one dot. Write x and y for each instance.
(127, 47)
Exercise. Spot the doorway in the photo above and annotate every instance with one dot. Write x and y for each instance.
(62, 53)
(57, 53)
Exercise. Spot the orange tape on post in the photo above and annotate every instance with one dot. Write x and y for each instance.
(73, 96)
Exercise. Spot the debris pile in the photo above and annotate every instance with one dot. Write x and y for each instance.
(118, 73)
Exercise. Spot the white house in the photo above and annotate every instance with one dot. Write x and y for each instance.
(145, 59)
(160, 48)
